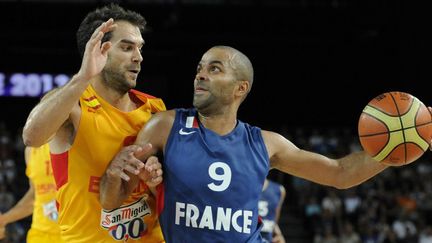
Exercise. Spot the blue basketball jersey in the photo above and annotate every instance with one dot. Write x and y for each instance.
(212, 183)
(267, 206)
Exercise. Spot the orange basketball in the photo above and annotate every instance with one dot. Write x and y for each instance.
(395, 128)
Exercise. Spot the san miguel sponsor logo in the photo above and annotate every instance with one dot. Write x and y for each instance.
(127, 221)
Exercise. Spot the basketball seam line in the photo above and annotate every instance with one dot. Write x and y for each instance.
(398, 130)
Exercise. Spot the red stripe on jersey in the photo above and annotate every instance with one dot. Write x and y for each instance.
(160, 191)
(59, 164)
(195, 123)
(138, 93)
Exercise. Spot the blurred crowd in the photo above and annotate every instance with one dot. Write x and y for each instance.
(395, 206)
(13, 182)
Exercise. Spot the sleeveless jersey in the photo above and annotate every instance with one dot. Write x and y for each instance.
(103, 130)
(212, 183)
(39, 171)
(268, 204)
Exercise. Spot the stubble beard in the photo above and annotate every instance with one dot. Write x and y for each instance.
(117, 80)
(204, 105)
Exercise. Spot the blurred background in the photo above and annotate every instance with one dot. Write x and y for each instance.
(317, 64)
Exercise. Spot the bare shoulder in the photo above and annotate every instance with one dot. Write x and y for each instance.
(274, 141)
(162, 119)
(278, 147)
(270, 136)
(157, 129)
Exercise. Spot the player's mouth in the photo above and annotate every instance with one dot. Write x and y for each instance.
(199, 89)
(135, 71)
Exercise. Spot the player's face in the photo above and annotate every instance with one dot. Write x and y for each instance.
(215, 81)
(124, 57)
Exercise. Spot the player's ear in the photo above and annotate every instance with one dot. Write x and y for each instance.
(243, 87)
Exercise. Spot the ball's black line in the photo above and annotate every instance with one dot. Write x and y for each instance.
(400, 120)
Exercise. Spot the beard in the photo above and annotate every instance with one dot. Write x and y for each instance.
(205, 105)
(117, 80)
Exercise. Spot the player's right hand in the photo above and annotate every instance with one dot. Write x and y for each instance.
(96, 52)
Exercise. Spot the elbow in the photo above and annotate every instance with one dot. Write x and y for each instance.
(31, 138)
(343, 182)
(342, 186)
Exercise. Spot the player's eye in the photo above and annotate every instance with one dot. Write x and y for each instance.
(127, 48)
(215, 69)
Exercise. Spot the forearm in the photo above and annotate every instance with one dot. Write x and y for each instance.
(22, 209)
(357, 168)
(47, 117)
(113, 191)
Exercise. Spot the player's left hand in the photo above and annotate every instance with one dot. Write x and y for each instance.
(151, 174)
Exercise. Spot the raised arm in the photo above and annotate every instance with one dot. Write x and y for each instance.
(56, 108)
(126, 169)
(342, 173)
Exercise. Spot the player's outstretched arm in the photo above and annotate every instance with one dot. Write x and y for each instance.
(56, 107)
(22, 209)
(127, 168)
(342, 173)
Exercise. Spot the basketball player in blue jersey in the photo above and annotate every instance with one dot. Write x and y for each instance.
(269, 208)
(214, 165)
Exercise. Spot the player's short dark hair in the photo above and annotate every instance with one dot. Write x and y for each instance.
(95, 18)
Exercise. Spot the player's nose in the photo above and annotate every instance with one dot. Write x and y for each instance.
(200, 76)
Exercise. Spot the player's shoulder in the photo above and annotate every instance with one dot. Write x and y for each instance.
(272, 137)
(168, 114)
(163, 118)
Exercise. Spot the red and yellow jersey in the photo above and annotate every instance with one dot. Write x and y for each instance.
(103, 130)
(39, 172)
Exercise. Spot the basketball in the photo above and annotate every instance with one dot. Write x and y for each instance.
(395, 128)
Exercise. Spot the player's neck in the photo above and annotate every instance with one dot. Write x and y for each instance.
(221, 124)
(119, 100)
